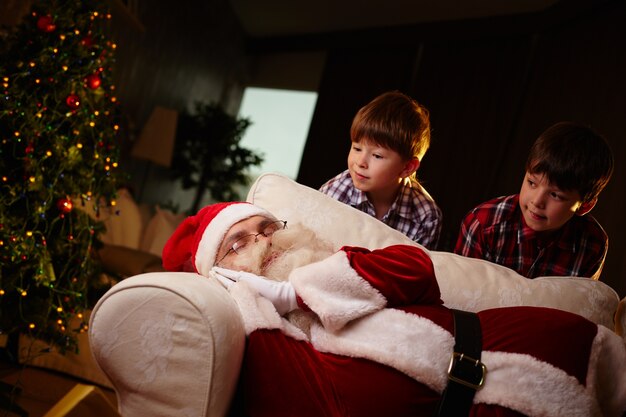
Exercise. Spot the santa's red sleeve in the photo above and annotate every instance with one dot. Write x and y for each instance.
(355, 282)
(403, 274)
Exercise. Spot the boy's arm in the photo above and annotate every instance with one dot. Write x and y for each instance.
(429, 231)
(336, 186)
(470, 241)
(595, 269)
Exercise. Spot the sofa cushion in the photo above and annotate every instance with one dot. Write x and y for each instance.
(124, 223)
(123, 261)
(159, 229)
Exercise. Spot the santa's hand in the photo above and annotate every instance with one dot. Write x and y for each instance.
(227, 283)
(281, 294)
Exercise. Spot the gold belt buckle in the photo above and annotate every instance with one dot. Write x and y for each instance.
(460, 357)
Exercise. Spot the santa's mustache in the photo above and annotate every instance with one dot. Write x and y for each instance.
(292, 248)
(265, 251)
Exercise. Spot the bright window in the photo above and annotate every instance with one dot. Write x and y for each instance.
(280, 125)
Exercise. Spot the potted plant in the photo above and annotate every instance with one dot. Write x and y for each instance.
(208, 155)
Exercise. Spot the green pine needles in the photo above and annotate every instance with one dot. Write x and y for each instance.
(208, 155)
(58, 165)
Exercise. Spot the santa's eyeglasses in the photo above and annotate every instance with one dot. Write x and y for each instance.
(244, 243)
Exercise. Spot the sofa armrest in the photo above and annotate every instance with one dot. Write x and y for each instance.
(171, 344)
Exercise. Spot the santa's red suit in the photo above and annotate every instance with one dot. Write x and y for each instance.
(373, 339)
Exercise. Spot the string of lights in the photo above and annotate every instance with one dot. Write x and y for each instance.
(58, 167)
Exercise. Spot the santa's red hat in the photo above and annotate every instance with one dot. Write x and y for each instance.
(197, 239)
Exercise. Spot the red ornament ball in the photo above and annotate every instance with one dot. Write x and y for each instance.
(65, 205)
(87, 41)
(93, 81)
(72, 101)
(46, 24)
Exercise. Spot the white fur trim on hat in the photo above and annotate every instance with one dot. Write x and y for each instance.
(216, 230)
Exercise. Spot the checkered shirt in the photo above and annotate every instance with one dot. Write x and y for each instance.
(496, 231)
(414, 212)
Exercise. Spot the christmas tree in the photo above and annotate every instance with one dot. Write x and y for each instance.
(58, 165)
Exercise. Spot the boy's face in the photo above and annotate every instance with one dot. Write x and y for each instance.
(546, 207)
(375, 168)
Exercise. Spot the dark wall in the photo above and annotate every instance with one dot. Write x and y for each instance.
(178, 54)
(172, 55)
(348, 81)
(491, 86)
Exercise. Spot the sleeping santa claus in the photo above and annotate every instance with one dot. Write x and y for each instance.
(358, 332)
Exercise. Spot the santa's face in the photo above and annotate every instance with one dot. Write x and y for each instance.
(245, 238)
(275, 256)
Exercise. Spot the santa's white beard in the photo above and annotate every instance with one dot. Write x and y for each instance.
(290, 248)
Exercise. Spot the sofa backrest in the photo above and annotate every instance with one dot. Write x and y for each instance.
(466, 283)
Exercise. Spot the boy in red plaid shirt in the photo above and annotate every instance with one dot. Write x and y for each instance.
(543, 230)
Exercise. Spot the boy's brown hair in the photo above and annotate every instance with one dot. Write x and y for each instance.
(572, 157)
(395, 121)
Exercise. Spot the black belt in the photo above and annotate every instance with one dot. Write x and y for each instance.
(466, 373)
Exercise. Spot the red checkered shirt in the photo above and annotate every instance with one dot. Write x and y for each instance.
(414, 212)
(496, 231)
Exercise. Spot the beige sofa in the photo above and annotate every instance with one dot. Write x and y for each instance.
(172, 343)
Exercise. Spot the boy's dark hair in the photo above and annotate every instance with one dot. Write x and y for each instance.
(572, 157)
(395, 121)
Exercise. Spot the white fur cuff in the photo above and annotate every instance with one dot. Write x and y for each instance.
(335, 292)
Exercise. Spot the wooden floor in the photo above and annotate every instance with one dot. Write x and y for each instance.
(35, 390)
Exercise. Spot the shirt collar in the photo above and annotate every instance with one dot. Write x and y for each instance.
(403, 205)
(357, 197)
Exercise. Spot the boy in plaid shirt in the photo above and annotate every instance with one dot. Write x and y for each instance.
(543, 230)
(390, 136)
